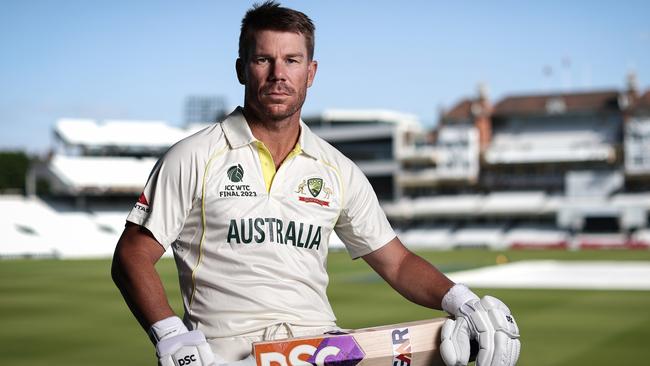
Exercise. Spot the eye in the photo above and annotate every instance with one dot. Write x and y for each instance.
(293, 61)
(261, 60)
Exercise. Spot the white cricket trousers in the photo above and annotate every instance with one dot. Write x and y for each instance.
(238, 348)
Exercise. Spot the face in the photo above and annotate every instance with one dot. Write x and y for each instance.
(276, 74)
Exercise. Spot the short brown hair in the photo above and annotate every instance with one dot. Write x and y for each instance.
(271, 16)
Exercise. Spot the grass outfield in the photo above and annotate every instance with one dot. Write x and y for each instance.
(69, 313)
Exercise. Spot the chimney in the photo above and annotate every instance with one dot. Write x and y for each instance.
(628, 97)
(482, 111)
(632, 85)
(483, 95)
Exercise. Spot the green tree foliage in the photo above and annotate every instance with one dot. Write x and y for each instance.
(13, 169)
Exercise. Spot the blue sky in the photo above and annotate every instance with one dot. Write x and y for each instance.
(140, 59)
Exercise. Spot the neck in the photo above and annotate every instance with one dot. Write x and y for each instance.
(279, 136)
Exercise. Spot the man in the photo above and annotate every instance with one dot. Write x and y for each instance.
(248, 206)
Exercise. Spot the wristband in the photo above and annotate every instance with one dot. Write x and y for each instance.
(458, 295)
(166, 328)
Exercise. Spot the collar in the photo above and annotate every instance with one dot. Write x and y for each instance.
(307, 141)
(238, 133)
(236, 129)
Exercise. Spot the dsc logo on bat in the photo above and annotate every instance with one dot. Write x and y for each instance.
(326, 351)
(308, 352)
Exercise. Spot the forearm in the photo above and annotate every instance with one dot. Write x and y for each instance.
(410, 275)
(420, 282)
(142, 290)
(135, 275)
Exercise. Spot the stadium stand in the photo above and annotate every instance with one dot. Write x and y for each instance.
(335, 242)
(548, 171)
(26, 228)
(558, 170)
(123, 135)
(536, 236)
(640, 239)
(513, 203)
(558, 140)
(35, 228)
(98, 173)
(479, 235)
(601, 241)
(449, 205)
(428, 237)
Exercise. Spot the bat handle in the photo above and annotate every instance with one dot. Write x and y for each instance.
(473, 349)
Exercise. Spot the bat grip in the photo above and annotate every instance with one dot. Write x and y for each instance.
(473, 349)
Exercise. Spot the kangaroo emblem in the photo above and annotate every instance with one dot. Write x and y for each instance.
(328, 192)
(301, 187)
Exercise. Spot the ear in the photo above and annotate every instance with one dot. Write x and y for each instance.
(241, 72)
(311, 72)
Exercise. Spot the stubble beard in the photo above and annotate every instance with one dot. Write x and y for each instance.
(266, 112)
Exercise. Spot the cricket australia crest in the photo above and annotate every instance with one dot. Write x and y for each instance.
(316, 187)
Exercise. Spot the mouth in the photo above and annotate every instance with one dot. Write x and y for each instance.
(276, 96)
(278, 90)
(283, 93)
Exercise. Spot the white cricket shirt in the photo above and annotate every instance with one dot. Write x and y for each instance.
(251, 243)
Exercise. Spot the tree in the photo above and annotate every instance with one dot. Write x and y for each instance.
(13, 169)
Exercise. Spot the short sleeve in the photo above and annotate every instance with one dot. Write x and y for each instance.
(362, 225)
(167, 197)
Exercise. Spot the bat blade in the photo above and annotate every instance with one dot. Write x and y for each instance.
(404, 344)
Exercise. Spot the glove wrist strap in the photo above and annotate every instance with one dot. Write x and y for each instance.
(458, 295)
(166, 328)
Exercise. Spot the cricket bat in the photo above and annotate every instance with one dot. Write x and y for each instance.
(405, 344)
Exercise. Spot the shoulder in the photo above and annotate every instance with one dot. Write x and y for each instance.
(329, 155)
(198, 147)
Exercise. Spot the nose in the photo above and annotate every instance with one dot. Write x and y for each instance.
(278, 71)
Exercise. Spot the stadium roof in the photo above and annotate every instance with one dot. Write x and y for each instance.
(364, 116)
(467, 109)
(543, 104)
(461, 111)
(120, 133)
(101, 174)
(557, 103)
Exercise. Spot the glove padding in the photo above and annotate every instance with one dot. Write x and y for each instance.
(248, 361)
(185, 349)
(490, 322)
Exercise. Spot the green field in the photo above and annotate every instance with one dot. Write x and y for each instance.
(69, 313)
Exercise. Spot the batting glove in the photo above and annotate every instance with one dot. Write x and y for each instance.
(488, 320)
(176, 346)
